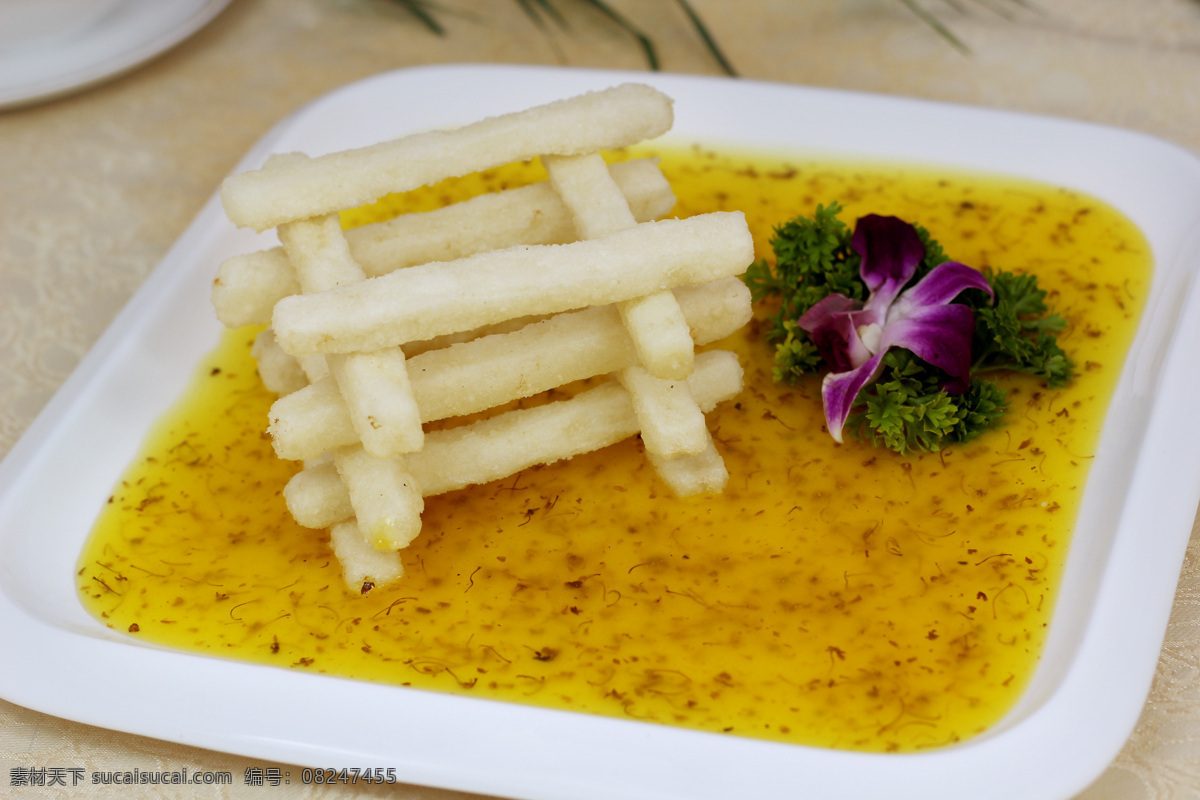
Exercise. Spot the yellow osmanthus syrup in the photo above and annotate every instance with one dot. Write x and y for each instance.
(835, 595)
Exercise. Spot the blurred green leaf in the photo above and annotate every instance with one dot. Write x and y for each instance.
(539, 11)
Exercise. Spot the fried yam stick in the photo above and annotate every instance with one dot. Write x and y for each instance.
(505, 444)
(248, 286)
(435, 299)
(588, 123)
(363, 566)
(376, 393)
(672, 424)
(280, 373)
(599, 208)
(670, 421)
(688, 475)
(374, 384)
(493, 370)
(387, 504)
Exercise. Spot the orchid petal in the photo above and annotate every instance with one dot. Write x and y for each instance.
(944, 283)
(823, 311)
(839, 391)
(890, 251)
(940, 335)
(830, 324)
(853, 337)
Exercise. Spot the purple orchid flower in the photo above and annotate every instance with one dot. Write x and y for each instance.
(853, 337)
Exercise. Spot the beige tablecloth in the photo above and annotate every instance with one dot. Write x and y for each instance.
(95, 187)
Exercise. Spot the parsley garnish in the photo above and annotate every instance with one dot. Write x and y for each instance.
(907, 408)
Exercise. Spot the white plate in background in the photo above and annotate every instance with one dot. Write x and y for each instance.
(48, 62)
(1115, 599)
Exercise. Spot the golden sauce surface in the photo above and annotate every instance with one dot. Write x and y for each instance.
(840, 596)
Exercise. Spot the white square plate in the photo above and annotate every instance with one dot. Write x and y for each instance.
(1116, 596)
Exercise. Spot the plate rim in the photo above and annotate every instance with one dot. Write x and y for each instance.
(54, 80)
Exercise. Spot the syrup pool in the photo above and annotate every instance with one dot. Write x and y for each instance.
(835, 595)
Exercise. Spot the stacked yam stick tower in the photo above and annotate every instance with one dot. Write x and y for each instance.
(375, 331)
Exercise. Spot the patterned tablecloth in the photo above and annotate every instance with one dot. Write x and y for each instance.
(96, 186)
